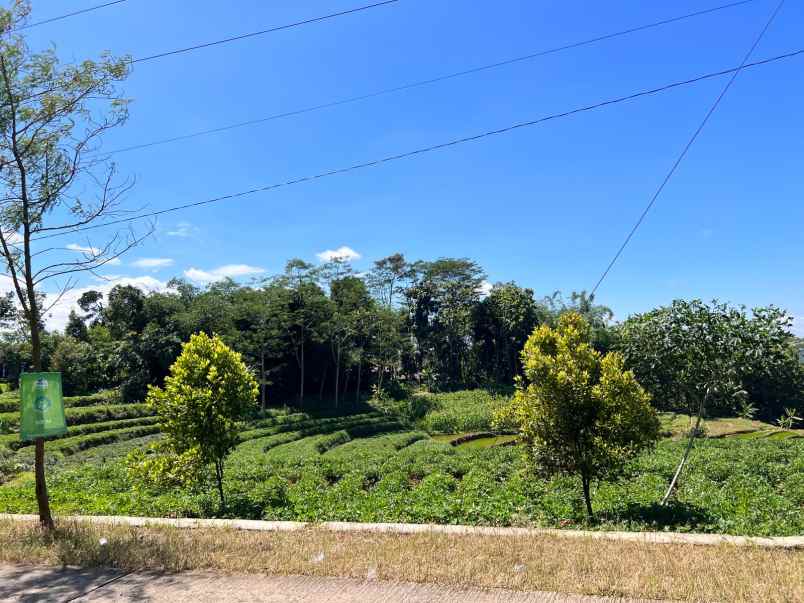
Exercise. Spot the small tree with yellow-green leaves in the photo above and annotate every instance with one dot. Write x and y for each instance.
(204, 400)
(578, 412)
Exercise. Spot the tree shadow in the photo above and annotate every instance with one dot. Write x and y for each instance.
(674, 514)
(28, 584)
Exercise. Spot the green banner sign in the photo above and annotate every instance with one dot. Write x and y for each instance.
(42, 406)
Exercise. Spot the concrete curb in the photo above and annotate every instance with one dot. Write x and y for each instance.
(780, 542)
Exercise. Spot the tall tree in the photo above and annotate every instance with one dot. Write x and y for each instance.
(504, 320)
(388, 278)
(52, 118)
(307, 313)
(441, 303)
(351, 304)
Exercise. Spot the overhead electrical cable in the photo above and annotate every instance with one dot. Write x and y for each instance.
(262, 32)
(68, 15)
(416, 84)
(435, 147)
(686, 148)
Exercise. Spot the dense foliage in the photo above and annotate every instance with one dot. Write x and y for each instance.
(311, 331)
(325, 335)
(579, 412)
(691, 351)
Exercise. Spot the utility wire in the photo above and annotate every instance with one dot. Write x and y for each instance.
(68, 15)
(263, 32)
(416, 84)
(689, 144)
(435, 147)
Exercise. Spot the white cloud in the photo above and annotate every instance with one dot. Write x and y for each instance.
(113, 262)
(152, 263)
(183, 229)
(485, 288)
(347, 254)
(798, 326)
(82, 249)
(218, 274)
(58, 315)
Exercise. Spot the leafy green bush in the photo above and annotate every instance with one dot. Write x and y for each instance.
(209, 393)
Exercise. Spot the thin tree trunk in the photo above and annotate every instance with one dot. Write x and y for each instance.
(301, 370)
(692, 435)
(357, 391)
(219, 476)
(262, 378)
(323, 382)
(337, 372)
(587, 498)
(42, 499)
(346, 381)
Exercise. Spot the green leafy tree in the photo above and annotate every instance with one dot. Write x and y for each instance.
(207, 395)
(347, 323)
(441, 303)
(692, 355)
(579, 412)
(80, 367)
(76, 327)
(306, 314)
(708, 358)
(388, 278)
(504, 320)
(598, 316)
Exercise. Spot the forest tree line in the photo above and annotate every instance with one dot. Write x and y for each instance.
(324, 332)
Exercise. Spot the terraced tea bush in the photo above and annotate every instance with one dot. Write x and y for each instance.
(10, 401)
(13, 442)
(90, 414)
(458, 412)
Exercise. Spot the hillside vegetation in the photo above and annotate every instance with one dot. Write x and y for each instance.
(369, 465)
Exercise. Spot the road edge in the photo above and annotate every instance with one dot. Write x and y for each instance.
(777, 542)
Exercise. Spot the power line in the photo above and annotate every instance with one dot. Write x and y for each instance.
(434, 147)
(68, 15)
(408, 86)
(263, 32)
(689, 144)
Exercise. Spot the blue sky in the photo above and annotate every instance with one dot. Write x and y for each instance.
(545, 206)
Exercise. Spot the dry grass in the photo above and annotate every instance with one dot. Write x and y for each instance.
(679, 572)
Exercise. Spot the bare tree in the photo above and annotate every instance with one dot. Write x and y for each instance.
(53, 182)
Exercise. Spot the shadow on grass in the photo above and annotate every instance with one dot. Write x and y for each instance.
(673, 515)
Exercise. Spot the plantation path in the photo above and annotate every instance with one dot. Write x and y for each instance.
(29, 583)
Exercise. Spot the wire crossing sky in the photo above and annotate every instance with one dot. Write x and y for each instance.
(451, 143)
(546, 207)
(433, 80)
(686, 148)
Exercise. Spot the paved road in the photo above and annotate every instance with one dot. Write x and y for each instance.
(28, 584)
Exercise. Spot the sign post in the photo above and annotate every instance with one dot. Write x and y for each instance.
(42, 406)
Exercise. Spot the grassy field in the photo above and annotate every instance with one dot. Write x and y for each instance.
(545, 563)
(369, 466)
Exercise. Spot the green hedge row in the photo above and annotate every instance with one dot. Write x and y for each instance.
(312, 426)
(88, 414)
(318, 444)
(71, 445)
(10, 401)
(13, 442)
